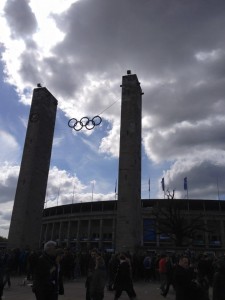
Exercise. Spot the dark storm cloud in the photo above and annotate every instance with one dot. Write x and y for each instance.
(187, 139)
(183, 101)
(203, 176)
(157, 34)
(21, 19)
(64, 76)
(28, 70)
(214, 68)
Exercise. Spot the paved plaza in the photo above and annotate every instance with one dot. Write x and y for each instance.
(75, 290)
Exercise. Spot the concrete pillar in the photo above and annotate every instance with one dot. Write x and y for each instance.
(128, 234)
(26, 221)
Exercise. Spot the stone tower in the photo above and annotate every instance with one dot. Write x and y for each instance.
(128, 226)
(28, 206)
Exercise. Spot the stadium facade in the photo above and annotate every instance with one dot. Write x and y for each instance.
(93, 224)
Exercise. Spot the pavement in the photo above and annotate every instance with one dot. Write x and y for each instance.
(75, 290)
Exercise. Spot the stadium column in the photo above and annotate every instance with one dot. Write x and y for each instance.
(26, 221)
(101, 234)
(68, 233)
(128, 222)
(78, 235)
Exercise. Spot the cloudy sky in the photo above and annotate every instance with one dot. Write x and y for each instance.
(80, 50)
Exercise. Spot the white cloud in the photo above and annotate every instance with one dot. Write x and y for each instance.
(8, 179)
(110, 143)
(208, 56)
(64, 188)
(9, 147)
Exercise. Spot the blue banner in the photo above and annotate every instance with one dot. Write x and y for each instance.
(149, 232)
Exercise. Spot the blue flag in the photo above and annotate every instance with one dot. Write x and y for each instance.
(185, 183)
(115, 186)
(163, 185)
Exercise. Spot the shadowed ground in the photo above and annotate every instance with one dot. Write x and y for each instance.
(75, 290)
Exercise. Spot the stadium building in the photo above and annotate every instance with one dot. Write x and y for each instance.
(93, 224)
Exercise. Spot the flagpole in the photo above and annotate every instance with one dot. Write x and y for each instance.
(73, 192)
(186, 186)
(115, 188)
(218, 192)
(92, 191)
(46, 199)
(58, 196)
(149, 190)
(163, 186)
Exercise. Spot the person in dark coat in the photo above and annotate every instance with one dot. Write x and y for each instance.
(183, 276)
(90, 271)
(123, 279)
(147, 268)
(7, 268)
(99, 278)
(112, 269)
(47, 283)
(32, 261)
(67, 264)
(200, 285)
(169, 276)
(1, 275)
(219, 281)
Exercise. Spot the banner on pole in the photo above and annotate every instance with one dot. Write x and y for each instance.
(185, 184)
(163, 184)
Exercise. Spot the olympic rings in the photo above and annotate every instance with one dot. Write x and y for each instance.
(89, 124)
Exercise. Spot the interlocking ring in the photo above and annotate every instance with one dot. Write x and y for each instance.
(89, 124)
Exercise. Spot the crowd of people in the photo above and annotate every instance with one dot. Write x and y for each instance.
(190, 275)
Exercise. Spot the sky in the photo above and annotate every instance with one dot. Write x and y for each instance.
(79, 50)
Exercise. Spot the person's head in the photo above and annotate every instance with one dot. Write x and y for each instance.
(59, 254)
(99, 261)
(50, 248)
(122, 257)
(184, 262)
(93, 253)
